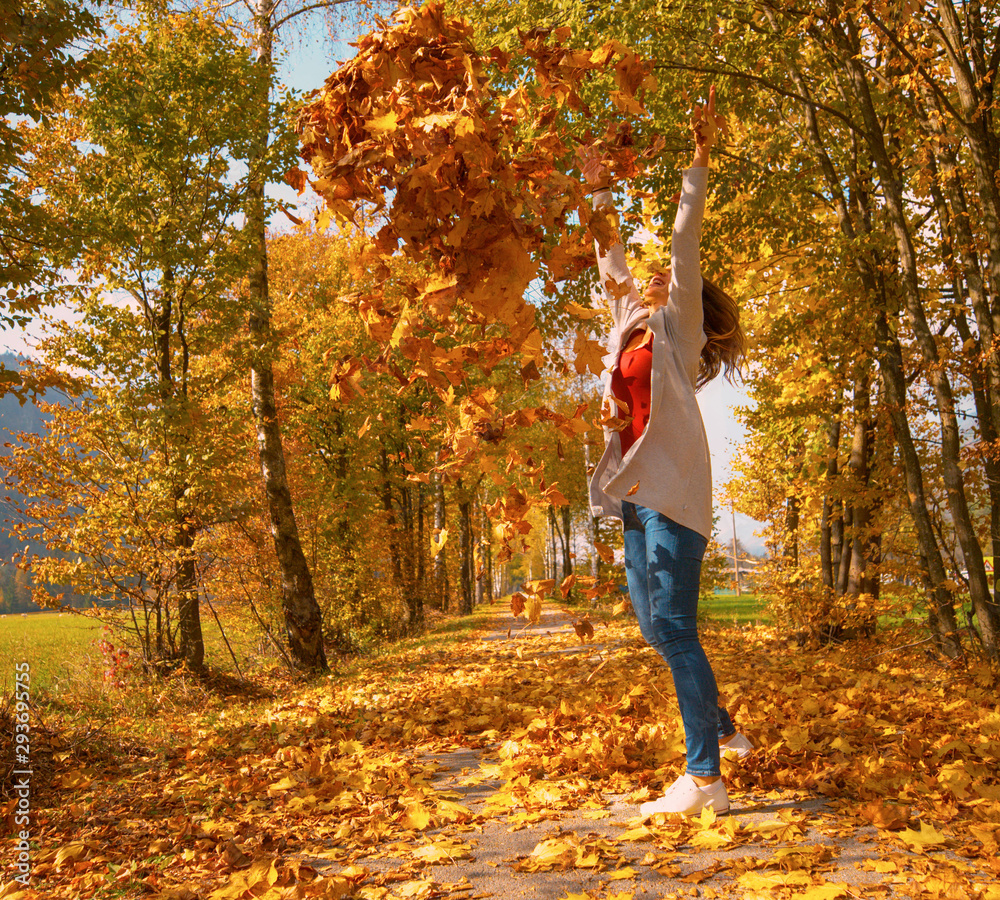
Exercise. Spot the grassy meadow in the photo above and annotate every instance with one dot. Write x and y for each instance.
(60, 647)
(747, 609)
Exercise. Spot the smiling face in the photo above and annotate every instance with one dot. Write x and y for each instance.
(657, 290)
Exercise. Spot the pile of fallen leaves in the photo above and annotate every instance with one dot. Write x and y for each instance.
(307, 797)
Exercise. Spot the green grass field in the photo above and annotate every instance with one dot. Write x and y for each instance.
(730, 609)
(61, 649)
(69, 669)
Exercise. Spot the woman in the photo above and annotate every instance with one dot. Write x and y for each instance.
(655, 473)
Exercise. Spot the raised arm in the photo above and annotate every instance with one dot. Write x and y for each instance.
(615, 276)
(706, 124)
(685, 306)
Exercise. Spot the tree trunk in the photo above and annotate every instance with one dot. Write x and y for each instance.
(465, 553)
(965, 268)
(192, 644)
(390, 515)
(553, 554)
(847, 552)
(420, 550)
(791, 547)
(440, 569)
(941, 613)
(595, 559)
(860, 465)
(303, 619)
(567, 541)
(481, 556)
(487, 577)
(830, 507)
(409, 555)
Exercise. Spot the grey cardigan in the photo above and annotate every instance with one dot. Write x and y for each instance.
(670, 461)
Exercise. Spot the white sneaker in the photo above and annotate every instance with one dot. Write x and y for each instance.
(738, 744)
(687, 797)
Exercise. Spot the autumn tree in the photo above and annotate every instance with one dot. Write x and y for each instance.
(128, 478)
(38, 63)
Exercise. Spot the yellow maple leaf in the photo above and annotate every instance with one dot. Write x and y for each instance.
(384, 124)
(589, 355)
(415, 890)
(921, 840)
(417, 817)
(707, 818)
(709, 840)
(623, 874)
(581, 312)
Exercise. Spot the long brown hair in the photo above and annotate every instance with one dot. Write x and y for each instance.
(727, 344)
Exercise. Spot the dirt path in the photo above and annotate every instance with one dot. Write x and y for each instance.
(772, 840)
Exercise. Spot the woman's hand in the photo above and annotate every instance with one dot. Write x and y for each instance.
(592, 166)
(706, 124)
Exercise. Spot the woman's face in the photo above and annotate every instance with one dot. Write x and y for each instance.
(657, 290)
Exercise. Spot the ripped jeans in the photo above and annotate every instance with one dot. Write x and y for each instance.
(663, 568)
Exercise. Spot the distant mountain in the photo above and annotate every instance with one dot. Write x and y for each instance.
(17, 418)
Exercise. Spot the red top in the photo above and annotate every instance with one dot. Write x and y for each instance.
(630, 383)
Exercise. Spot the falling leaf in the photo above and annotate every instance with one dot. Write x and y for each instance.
(605, 552)
(589, 355)
(438, 541)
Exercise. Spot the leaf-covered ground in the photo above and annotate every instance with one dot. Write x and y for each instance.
(503, 766)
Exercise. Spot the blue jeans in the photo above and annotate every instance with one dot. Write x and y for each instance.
(663, 568)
